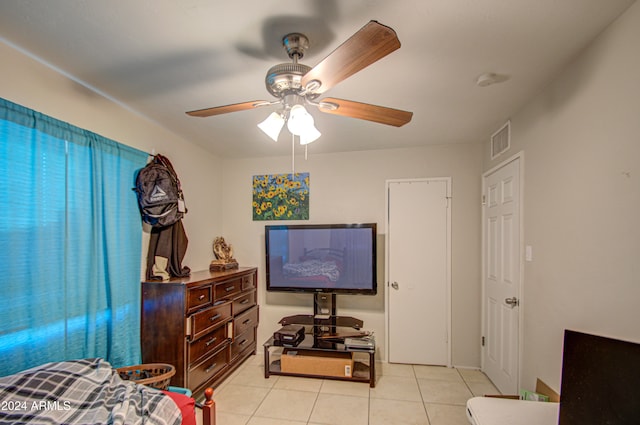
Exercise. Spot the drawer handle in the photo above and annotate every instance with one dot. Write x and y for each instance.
(230, 288)
(246, 301)
(211, 341)
(210, 368)
(246, 321)
(244, 341)
(201, 297)
(216, 317)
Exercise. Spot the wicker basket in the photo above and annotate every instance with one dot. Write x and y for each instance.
(156, 375)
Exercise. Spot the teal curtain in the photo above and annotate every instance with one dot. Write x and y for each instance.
(71, 236)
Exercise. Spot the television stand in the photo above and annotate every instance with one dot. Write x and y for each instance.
(363, 369)
(325, 338)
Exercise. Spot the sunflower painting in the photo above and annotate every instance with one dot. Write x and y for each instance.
(281, 197)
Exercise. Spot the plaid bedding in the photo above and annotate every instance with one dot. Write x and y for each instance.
(85, 391)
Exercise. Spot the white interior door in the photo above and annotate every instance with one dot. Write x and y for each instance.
(501, 256)
(418, 271)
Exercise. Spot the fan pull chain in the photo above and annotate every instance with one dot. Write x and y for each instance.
(293, 156)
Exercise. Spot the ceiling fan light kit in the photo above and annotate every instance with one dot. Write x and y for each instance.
(295, 85)
(272, 125)
(299, 120)
(301, 124)
(310, 136)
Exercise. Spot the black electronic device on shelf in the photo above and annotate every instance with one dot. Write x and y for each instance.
(289, 335)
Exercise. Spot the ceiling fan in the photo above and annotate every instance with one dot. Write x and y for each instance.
(295, 84)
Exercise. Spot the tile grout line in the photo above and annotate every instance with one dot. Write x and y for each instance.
(315, 402)
(424, 404)
(466, 384)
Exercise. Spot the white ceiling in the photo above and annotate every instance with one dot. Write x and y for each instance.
(161, 58)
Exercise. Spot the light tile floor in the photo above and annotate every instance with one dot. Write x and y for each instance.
(403, 395)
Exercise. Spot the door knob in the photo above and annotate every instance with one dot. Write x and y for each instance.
(394, 285)
(513, 301)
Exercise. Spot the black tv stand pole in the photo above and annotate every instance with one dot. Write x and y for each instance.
(324, 305)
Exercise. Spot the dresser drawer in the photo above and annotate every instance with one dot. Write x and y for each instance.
(248, 282)
(244, 321)
(198, 298)
(203, 321)
(228, 288)
(243, 341)
(206, 345)
(243, 302)
(208, 368)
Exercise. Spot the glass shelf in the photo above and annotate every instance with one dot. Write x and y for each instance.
(327, 335)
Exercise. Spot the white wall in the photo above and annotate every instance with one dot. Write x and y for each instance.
(350, 188)
(581, 138)
(29, 83)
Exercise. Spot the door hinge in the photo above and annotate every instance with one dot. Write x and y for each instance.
(483, 340)
(484, 200)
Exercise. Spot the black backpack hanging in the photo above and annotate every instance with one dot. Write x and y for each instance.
(160, 197)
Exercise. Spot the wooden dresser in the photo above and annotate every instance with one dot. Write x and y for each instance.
(205, 325)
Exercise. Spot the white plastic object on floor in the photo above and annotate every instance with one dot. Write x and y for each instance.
(501, 411)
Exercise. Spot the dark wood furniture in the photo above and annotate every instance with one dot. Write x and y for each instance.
(204, 325)
(208, 408)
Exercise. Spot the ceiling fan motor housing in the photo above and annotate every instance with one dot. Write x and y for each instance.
(285, 78)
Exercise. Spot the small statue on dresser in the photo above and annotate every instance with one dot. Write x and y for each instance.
(224, 256)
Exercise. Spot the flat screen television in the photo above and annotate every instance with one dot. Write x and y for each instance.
(321, 258)
(600, 378)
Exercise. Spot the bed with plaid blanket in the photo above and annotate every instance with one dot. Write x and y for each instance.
(85, 391)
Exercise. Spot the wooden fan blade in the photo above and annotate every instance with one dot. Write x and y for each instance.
(366, 111)
(227, 108)
(370, 44)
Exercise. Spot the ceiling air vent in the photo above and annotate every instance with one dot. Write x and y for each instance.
(501, 140)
